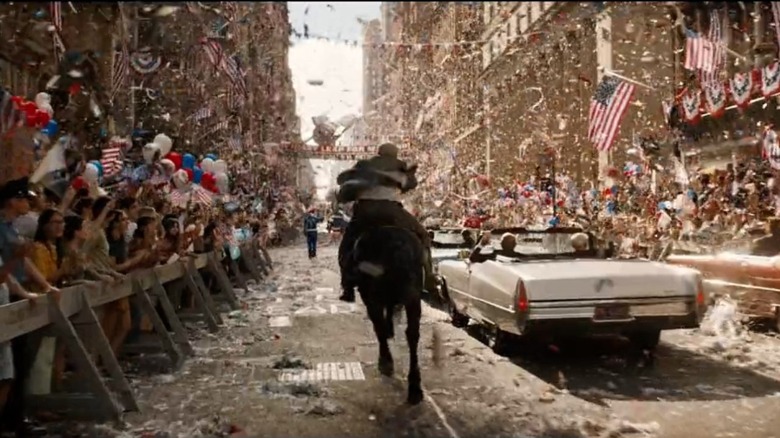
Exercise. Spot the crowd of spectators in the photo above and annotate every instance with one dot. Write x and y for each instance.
(50, 242)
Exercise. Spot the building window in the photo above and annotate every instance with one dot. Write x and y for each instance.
(536, 11)
(522, 18)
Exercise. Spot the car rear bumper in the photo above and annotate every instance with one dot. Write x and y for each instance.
(562, 318)
(585, 326)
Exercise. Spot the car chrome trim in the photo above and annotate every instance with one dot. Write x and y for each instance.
(506, 309)
(567, 302)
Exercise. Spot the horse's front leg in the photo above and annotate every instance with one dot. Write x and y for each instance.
(413, 315)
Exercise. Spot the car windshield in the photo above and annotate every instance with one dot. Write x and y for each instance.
(452, 238)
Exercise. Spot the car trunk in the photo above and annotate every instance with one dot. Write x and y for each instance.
(600, 279)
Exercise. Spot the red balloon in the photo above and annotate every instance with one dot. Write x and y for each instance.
(29, 107)
(175, 158)
(79, 183)
(190, 174)
(43, 118)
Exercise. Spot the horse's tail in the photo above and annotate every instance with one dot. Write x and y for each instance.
(389, 261)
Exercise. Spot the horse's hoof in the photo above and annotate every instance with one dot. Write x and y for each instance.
(386, 368)
(347, 298)
(415, 396)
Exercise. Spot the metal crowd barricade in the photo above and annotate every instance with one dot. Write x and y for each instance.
(72, 320)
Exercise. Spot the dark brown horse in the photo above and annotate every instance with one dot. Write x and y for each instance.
(389, 264)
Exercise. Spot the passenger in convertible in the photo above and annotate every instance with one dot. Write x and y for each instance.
(508, 244)
(580, 244)
(375, 185)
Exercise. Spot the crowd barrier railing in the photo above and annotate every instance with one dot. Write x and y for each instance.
(73, 321)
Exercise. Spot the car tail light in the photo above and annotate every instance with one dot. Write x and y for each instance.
(701, 303)
(522, 298)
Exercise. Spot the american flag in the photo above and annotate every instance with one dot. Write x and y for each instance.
(607, 108)
(715, 35)
(213, 51)
(111, 159)
(121, 68)
(221, 125)
(55, 11)
(232, 68)
(235, 99)
(196, 195)
(699, 52)
(234, 143)
(203, 113)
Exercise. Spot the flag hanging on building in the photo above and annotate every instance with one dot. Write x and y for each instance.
(235, 99)
(203, 113)
(213, 51)
(234, 142)
(607, 108)
(233, 70)
(699, 52)
(715, 35)
(120, 70)
(111, 159)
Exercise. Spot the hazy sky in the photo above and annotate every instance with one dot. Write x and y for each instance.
(336, 20)
(335, 61)
(338, 64)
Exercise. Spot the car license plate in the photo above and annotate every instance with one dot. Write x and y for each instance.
(612, 312)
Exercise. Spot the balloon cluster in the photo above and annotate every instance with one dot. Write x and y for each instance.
(183, 169)
(37, 114)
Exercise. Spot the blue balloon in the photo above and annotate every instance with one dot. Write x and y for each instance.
(212, 156)
(197, 175)
(51, 129)
(188, 161)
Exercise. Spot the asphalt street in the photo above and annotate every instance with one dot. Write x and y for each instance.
(296, 362)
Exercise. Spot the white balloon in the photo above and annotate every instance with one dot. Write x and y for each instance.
(223, 183)
(165, 143)
(168, 166)
(220, 166)
(91, 173)
(42, 99)
(180, 179)
(207, 165)
(151, 152)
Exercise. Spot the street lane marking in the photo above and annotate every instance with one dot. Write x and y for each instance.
(280, 321)
(323, 372)
(440, 414)
(436, 408)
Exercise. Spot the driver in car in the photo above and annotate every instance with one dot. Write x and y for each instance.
(508, 244)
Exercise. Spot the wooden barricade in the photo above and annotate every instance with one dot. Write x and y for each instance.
(72, 320)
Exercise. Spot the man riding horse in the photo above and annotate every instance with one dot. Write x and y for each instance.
(375, 185)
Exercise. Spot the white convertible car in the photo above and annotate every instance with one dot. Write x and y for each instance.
(547, 289)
